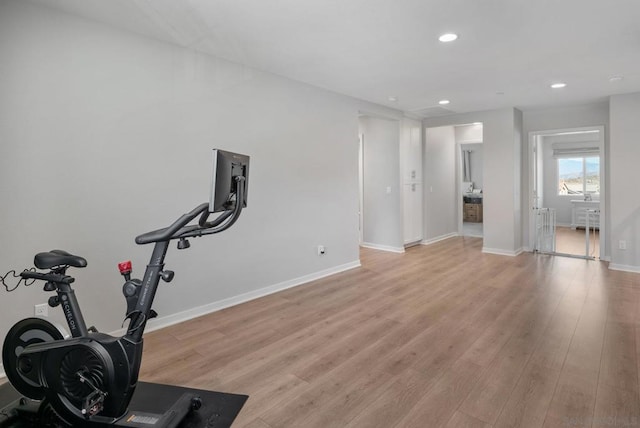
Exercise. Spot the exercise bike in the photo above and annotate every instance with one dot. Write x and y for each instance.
(89, 378)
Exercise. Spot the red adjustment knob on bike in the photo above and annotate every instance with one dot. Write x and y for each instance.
(125, 267)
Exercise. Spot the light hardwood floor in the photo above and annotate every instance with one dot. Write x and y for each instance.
(441, 336)
(572, 241)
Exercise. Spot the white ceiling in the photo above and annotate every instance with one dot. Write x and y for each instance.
(507, 54)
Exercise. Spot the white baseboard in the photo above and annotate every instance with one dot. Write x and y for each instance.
(500, 252)
(158, 323)
(179, 317)
(625, 268)
(438, 238)
(383, 247)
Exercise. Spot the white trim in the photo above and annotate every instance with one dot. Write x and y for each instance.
(162, 322)
(438, 238)
(624, 268)
(501, 252)
(159, 323)
(361, 187)
(383, 247)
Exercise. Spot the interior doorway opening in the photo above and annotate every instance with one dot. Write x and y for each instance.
(469, 147)
(567, 192)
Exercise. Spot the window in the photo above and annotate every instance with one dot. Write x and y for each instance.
(579, 176)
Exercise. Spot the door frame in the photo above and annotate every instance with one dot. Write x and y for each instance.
(361, 185)
(533, 137)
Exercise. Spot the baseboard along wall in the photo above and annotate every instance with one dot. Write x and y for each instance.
(501, 252)
(624, 268)
(162, 322)
(438, 238)
(383, 247)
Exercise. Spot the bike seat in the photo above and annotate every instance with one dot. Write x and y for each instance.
(58, 258)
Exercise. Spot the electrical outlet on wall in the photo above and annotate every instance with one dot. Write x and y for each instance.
(622, 245)
(41, 310)
(321, 250)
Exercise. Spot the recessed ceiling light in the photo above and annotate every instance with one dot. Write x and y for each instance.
(444, 102)
(615, 79)
(448, 37)
(393, 98)
(477, 123)
(558, 85)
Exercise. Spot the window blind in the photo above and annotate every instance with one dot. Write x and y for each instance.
(580, 150)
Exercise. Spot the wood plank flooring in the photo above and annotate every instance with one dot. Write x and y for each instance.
(441, 336)
(572, 241)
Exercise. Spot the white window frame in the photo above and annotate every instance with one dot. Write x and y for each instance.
(584, 176)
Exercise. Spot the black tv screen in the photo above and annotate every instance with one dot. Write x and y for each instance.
(226, 167)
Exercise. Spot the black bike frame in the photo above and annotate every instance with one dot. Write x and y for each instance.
(152, 274)
(71, 310)
(73, 313)
(148, 291)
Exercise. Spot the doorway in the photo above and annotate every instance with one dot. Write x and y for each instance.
(469, 150)
(567, 192)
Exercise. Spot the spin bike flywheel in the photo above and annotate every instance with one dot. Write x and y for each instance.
(22, 334)
(80, 361)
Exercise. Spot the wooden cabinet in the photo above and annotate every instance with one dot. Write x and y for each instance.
(473, 213)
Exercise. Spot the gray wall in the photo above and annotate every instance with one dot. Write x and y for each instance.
(623, 162)
(382, 210)
(105, 135)
(518, 172)
(440, 194)
(469, 133)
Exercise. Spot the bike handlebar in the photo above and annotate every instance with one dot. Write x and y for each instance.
(180, 229)
(49, 277)
(169, 233)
